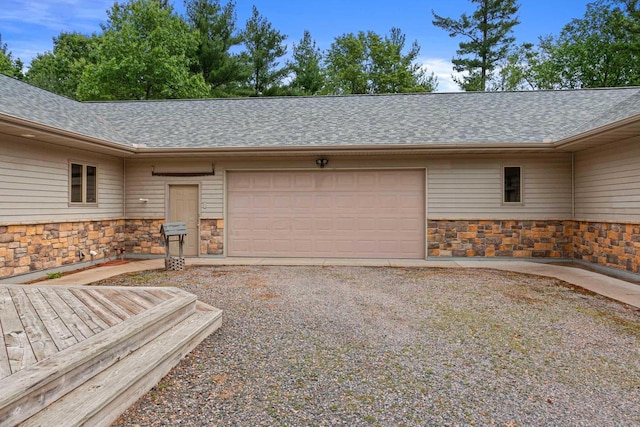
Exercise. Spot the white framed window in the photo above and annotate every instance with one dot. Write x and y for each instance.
(83, 183)
(512, 184)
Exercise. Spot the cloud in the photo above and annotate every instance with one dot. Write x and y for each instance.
(443, 70)
(28, 25)
(57, 15)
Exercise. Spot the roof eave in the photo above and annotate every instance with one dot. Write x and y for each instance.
(54, 135)
(586, 139)
(426, 148)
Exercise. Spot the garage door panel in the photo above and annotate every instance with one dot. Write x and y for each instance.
(346, 224)
(302, 224)
(366, 224)
(345, 182)
(363, 214)
(240, 182)
(367, 201)
(324, 224)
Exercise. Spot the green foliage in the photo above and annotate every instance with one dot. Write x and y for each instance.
(348, 64)
(8, 65)
(393, 71)
(596, 50)
(264, 47)
(488, 31)
(369, 63)
(216, 28)
(60, 71)
(526, 68)
(54, 275)
(145, 52)
(308, 75)
(601, 49)
(632, 23)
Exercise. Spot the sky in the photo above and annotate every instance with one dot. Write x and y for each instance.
(28, 26)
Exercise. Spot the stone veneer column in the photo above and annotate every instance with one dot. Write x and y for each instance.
(211, 236)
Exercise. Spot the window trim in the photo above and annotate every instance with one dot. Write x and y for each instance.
(503, 184)
(85, 166)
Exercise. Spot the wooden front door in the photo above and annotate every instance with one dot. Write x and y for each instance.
(184, 206)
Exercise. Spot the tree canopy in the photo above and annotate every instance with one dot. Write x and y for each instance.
(595, 50)
(217, 34)
(601, 49)
(265, 47)
(488, 40)
(369, 63)
(308, 75)
(60, 71)
(8, 65)
(145, 52)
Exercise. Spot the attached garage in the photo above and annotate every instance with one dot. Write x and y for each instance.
(326, 213)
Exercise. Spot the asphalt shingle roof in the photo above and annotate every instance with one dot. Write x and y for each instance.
(28, 102)
(402, 119)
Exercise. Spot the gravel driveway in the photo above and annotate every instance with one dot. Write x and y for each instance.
(303, 346)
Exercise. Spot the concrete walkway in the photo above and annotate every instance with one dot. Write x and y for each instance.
(610, 287)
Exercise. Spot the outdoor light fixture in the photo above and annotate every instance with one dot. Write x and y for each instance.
(322, 162)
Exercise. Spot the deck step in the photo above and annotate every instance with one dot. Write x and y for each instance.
(100, 401)
(28, 391)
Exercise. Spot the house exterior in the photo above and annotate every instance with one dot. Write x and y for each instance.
(544, 175)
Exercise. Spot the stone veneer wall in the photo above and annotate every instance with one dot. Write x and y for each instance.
(613, 245)
(211, 236)
(28, 248)
(492, 238)
(144, 237)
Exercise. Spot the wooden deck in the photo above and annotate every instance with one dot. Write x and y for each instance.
(55, 339)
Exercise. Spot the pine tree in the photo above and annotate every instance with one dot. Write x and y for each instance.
(216, 28)
(308, 75)
(488, 31)
(264, 46)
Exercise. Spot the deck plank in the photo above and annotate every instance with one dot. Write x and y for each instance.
(5, 367)
(60, 333)
(142, 298)
(78, 328)
(26, 392)
(39, 337)
(100, 296)
(125, 303)
(19, 351)
(96, 307)
(164, 294)
(91, 319)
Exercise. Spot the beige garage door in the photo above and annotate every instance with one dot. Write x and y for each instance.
(337, 214)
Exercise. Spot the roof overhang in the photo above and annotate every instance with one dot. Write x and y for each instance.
(10, 125)
(353, 150)
(618, 131)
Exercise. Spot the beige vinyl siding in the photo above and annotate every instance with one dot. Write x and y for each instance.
(34, 183)
(142, 185)
(607, 182)
(472, 189)
(458, 188)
